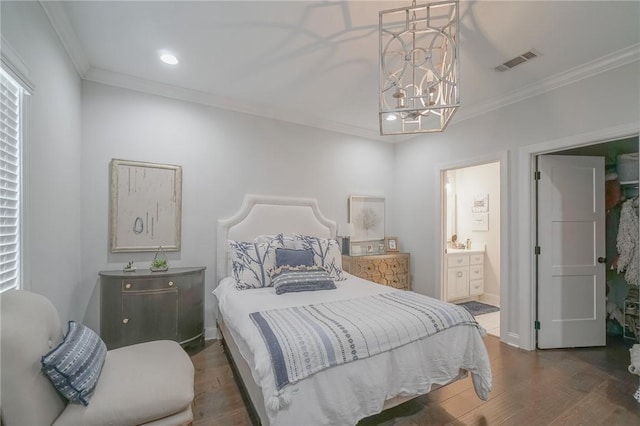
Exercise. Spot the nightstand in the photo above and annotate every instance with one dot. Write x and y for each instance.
(142, 306)
(391, 269)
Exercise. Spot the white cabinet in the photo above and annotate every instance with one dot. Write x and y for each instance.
(465, 274)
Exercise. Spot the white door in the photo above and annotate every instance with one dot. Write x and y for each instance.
(571, 240)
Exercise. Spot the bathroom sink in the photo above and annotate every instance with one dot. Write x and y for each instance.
(452, 250)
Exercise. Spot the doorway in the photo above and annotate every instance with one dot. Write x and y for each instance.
(620, 182)
(471, 240)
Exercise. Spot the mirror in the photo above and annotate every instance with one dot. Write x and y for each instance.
(451, 206)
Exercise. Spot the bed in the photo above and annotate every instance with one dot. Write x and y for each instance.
(343, 393)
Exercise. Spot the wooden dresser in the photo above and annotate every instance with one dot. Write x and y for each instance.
(390, 269)
(142, 306)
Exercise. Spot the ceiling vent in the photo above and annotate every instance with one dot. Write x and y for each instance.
(520, 59)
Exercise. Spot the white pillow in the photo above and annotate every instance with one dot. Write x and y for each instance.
(286, 240)
(251, 263)
(326, 253)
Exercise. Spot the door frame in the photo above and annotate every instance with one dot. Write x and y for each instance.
(501, 157)
(526, 339)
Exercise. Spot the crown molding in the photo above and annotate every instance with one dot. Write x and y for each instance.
(606, 63)
(14, 65)
(61, 25)
(590, 69)
(126, 81)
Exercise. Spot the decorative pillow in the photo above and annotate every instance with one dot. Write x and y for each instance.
(287, 241)
(74, 366)
(288, 279)
(252, 262)
(326, 253)
(291, 257)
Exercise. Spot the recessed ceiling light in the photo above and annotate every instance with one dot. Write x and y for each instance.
(168, 58)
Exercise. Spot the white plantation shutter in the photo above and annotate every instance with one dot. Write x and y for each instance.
(10, 181)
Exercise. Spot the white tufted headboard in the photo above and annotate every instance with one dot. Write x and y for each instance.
(268, 215)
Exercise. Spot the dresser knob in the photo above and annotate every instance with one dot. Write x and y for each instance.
(127, 285)
(125, 320)
(170, 283)
(477, 271)
(459, 274)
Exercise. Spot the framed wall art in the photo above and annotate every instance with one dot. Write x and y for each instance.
(480, 222)
(146, 206)
(480, 203)
(367, 216)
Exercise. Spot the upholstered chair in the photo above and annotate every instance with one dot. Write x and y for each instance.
(145, 384)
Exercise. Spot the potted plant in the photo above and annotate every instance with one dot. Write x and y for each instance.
(159, 262)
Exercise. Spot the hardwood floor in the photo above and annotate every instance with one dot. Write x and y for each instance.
(589, 386)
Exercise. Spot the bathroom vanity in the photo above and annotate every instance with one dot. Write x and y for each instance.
(464, 273)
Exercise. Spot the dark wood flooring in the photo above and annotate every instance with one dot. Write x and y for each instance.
(589, 386)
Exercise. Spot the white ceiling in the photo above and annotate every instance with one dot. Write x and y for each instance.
(315, 62)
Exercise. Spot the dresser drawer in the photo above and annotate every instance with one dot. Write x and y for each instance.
(476, 272)
(387, 269)
(455, 260)
(476, 259)
(476, 287)
(399, 281)
(148, 284)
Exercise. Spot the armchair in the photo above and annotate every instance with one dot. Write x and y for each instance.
(145, 384)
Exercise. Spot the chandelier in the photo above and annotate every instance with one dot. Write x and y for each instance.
(418, 68)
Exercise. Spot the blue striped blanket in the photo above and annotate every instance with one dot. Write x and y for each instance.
(306, 339)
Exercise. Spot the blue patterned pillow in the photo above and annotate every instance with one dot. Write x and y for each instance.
(288, 279)
(326, 253)
(74, 366)
(252, 262)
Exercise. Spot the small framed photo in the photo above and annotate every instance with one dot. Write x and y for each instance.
(392, 243)
(370, 249)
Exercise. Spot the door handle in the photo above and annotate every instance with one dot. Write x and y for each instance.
(602, 260)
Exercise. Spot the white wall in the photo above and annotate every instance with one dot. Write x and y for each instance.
(470, 182)
(224, 155)
(52, 226)
(603, 101)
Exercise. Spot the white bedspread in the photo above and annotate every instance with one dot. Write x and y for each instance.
(346, 393)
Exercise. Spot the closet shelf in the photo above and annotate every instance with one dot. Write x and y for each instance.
(629, 182)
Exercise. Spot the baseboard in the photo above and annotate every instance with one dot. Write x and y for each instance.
(211, 333)
(491, 299)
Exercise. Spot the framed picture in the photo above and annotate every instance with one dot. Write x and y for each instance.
(480, 222)
(367, 216)
(392, 243)
(480, 204)
(146, 206)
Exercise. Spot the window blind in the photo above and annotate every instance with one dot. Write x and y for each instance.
(10, 181)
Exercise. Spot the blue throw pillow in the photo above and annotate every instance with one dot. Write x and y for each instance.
(291, 257)
(74, 366)
(289, 279)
